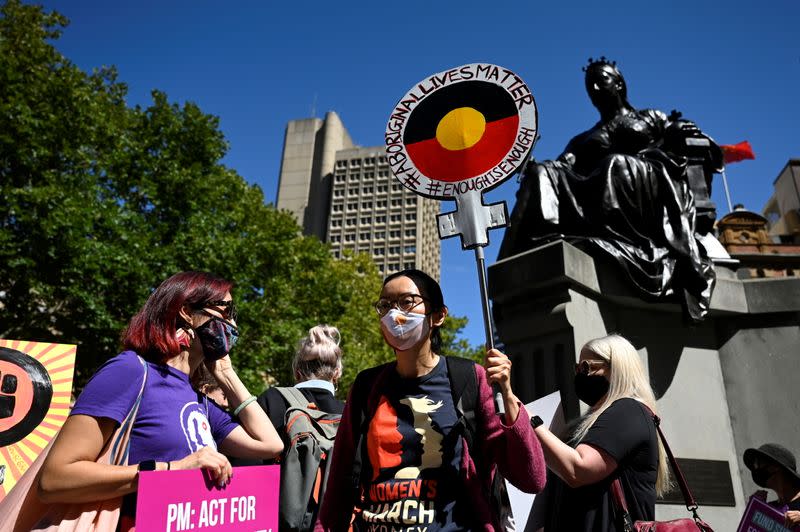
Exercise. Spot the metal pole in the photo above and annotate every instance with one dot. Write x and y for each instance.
(727, 192)
(487, 322)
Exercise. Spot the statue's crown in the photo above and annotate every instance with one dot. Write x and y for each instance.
(599, 62)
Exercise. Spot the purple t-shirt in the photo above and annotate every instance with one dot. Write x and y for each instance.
(173, 420)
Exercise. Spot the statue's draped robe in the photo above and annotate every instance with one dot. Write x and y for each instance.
(617, 188)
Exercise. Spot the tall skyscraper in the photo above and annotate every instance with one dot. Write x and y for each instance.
(346, 196)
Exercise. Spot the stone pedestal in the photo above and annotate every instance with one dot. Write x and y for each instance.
(726, 385)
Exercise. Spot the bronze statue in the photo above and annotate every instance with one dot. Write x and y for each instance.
(628, 187)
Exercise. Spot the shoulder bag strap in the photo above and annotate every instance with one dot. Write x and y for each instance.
(122, 441)
(621, 505)
(691, 503)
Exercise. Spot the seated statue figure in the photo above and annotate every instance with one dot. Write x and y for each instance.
(622, 188)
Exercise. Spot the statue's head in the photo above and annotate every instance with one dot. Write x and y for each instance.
(605, 84)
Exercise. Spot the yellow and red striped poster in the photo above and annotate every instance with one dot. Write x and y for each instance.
(35, 393)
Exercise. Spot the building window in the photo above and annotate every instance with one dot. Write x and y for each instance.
(355, 163)
(383, 188)
(394, 250)
(338, 208)
(409, 249)
(338, 193)
(394, 234)
(411, 217)
(366, 190)
(336, 223)
(380, 219)
(364, 236)
(409, 265)
(411, 232)
(354, 177)
(380, 235)
(336, 238)
(350, 222)
(341, 164)
(397, 187)
(352, 206)
(383, 173)
(366, 205)
(379, 251)
(397, 202)
(395, 218)
(366, 220)
(350, 237)
(411, 201)
(369, 175)
(340, 178)
(352, 192)
(380, 204)
(382, 160)
(394, 267)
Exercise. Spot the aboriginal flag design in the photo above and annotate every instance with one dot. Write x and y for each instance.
(461, 131)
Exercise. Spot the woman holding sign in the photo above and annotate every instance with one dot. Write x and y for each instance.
(187, 322)
(420, 438)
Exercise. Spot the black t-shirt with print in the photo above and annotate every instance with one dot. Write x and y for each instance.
(414, 457)
(627, 433)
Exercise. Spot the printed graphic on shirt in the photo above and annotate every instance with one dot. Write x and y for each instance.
(196, 427)
(415, 467)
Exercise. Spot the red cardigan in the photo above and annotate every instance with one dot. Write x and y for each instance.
(514, 448)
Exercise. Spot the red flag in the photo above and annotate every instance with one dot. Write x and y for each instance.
(733, 153)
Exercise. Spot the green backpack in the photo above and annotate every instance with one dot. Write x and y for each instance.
(305, 463)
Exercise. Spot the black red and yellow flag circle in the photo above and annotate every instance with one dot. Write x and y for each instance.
(467, 128)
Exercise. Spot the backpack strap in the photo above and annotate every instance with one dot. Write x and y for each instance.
(293, 397)
(363, 405)
(464, 388)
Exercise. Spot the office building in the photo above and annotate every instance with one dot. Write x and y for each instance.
(347, 197)
(783, 208)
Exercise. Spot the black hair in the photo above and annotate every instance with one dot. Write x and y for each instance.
(432, 292)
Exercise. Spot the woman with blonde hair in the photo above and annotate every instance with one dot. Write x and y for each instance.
(317, 368)
(616, 439)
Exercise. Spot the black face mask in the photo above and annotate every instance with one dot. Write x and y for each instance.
(217, 337)
(590, 388)
(761, 476)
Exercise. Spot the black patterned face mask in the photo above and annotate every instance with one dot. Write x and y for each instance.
(217, 337)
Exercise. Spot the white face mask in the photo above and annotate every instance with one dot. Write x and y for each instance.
(403, 330)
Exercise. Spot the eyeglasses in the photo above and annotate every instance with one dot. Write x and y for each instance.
(229, 311)
(404, 303)
(584, 367)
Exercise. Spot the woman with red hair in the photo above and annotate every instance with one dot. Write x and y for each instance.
(188, 321)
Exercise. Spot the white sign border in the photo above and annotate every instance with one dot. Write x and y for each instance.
(411, 177)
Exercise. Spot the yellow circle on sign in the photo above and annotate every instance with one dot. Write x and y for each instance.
(460, 129)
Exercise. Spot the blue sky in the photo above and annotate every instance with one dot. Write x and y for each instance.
(733, 67)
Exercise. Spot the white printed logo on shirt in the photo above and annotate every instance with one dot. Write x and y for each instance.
(196, 427)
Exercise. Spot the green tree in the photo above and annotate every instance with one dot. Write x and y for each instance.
(102, 201)
(454, 345)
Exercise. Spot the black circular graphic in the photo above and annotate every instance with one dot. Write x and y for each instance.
(42, 395)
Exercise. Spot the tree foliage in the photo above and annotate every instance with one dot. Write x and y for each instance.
(103, 201)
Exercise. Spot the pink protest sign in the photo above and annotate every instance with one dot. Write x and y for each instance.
(172, 501)
(761, 517)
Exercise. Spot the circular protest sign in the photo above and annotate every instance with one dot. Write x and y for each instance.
(465, 129)
(25, 394)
